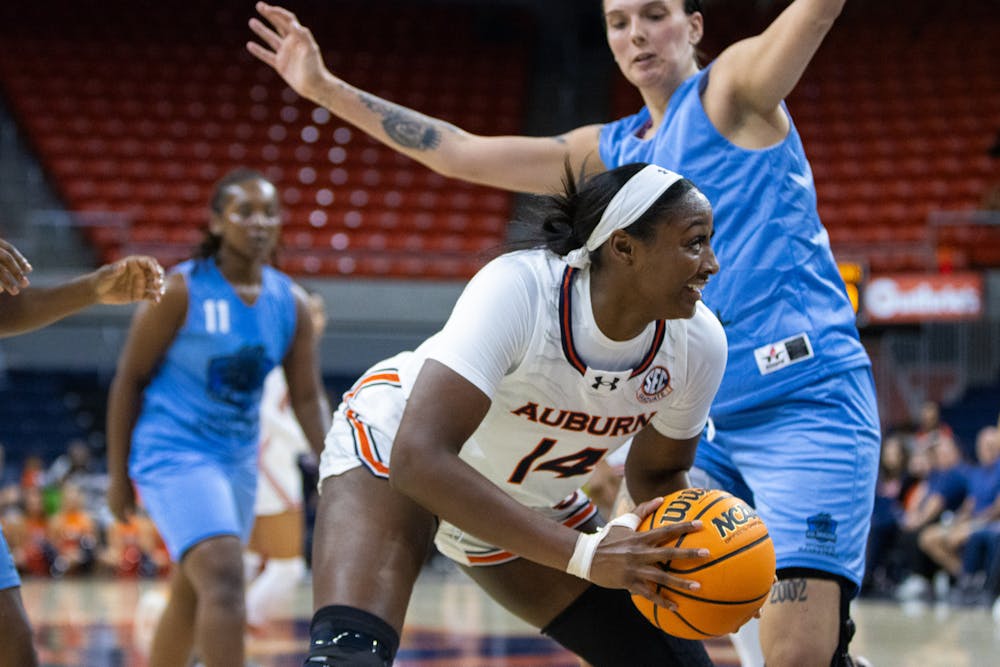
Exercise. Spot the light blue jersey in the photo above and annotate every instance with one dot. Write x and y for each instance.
(8, 571)
(198, 428)
(778, 292)
(796, 429)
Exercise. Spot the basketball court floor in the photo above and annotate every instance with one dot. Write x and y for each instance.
(92, 623)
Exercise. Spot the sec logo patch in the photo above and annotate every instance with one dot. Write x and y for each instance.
(655, 385)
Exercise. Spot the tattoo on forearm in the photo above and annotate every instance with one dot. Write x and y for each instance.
(789, 590)
(407, 128)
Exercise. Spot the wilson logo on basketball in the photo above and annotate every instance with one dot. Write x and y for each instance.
(655, 385)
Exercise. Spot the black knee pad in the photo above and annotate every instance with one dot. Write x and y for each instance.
(603, 627)
(349, 637)
(848, 589)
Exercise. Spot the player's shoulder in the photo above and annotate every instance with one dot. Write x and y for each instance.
(705, 329)
(524, 268)
(278, 278)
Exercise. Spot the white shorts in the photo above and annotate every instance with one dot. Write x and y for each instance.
(365, 424)
(364, 427)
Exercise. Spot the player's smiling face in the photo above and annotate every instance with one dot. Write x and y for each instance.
(674, 266)
(250, 221)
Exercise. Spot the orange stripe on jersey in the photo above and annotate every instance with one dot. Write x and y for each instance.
(566, 329)
(661, 330)
(365, 448)
(565, 321)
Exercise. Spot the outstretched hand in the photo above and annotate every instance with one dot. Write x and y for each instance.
(134, 278)
(632, 560)
(121, 498)
(290, 48)
(14, 269)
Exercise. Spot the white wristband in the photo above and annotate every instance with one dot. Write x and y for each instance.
(583, 554)
(586, 545)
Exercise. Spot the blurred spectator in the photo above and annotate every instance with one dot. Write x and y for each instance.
(929, 425)
(77, 461)
(32, 472)
(29, 536)
(78, 465)
(883, 569)
(944, 490)
(943, 541)
(981, 567)
(133, 548)
(10, 499)
(74, 534)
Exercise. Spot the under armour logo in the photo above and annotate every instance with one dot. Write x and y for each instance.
(599, 380)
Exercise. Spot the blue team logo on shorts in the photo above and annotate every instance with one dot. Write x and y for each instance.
(237, 379)
(822, 527)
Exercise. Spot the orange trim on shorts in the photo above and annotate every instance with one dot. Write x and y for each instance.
(387, 376)
(364, 446)
(581, 516)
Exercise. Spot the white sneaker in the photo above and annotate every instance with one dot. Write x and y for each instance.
(913, 587)
(942, 585)
(996, 610)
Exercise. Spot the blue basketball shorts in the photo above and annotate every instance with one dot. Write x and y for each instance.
(8, 571)
(192, 497)
(808, 463)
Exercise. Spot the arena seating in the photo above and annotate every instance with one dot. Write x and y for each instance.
(136, 111)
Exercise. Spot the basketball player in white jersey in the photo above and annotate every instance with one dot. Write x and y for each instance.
(274, 562)
(482, 437)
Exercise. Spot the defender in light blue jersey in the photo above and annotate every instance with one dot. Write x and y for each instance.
(797, 429)
(183, 416)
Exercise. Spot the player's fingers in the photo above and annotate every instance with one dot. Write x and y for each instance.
(155, 283)
(15, 256)
(269, 37)
(645, 509)
(655, 594)
(8, 283)
(663, 533)
(262, 54)
(280, 18)
(12, 276)
(657, 575)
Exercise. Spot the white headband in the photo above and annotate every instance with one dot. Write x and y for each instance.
(627, 206)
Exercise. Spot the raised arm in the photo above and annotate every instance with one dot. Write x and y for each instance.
(522, 164)
(750, 78)
(305, 389)
(151, 334)
(125, 281)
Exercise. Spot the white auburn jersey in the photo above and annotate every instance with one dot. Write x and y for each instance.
(563, 395)
(279, 480)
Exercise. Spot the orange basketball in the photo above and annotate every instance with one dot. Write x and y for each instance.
(735, 579)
